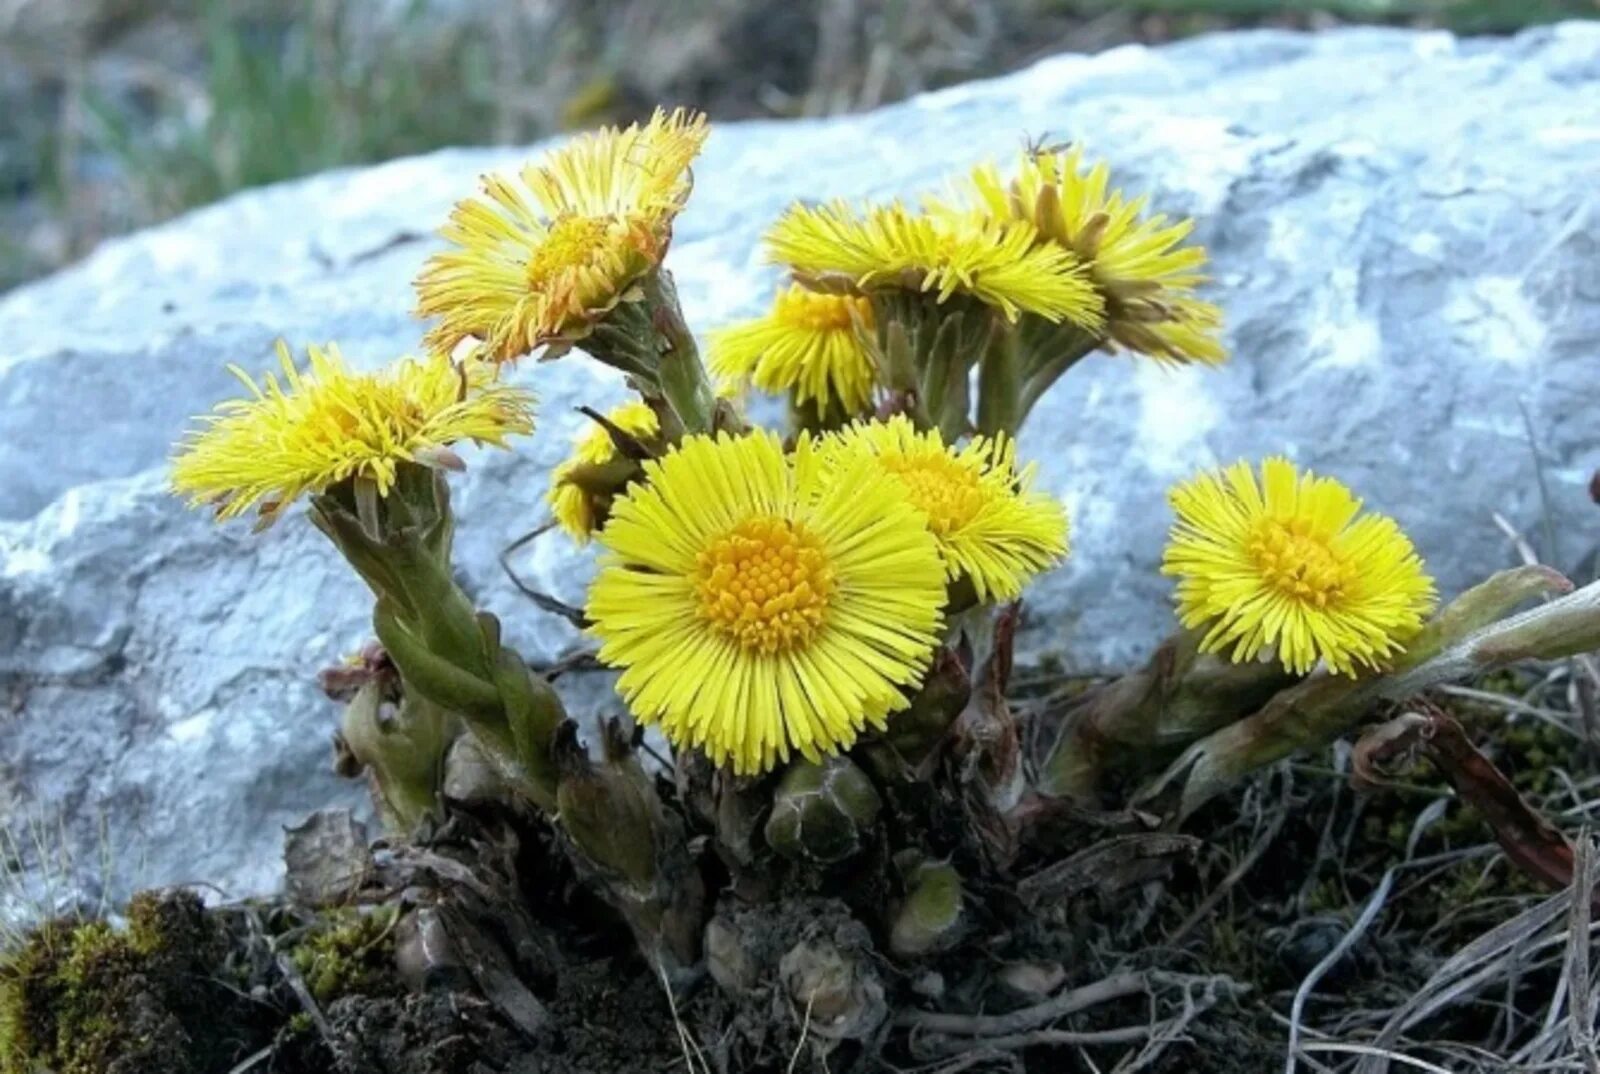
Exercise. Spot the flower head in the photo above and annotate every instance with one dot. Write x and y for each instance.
(579, 483)
(992, 527)
(999, 263)
(1140, 264)
(1290, 561)
(318, 428)
(811, 345)
(759, 603)
(543, 257)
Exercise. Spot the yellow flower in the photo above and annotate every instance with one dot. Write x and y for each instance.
(811, 345)
(991, 526)
(316, 429)
(575, 505)
(1000, 263)
(1289, 561)
(760, 603)
(543, 259)
(1140, 264)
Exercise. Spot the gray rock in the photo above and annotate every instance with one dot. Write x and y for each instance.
(1404, 233)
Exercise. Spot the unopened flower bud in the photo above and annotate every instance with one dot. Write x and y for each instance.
(728, 957)
(820, 812)
(609, 810)
(930, 917)
(836, 993)
(402, 745)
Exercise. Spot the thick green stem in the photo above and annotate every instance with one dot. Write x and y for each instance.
(447, 652)
(1180, 696)
(1048, 351)
(646, 337)
(927, 349)
(1000, 384)
(635, 849)
(1467, 638)
(682, 375)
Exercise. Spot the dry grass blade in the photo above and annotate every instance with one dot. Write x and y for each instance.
(1369, 914)
(979, 1025)
(1367, 1050)
(544, 601)
(1578, 981)
(1488, 959)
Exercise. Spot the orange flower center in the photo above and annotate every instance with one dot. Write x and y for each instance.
(822, 313)
(948, 493)
(1297, 564)
(572, 242)
(766, 584)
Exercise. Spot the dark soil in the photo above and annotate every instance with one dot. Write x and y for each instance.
(1287, 864)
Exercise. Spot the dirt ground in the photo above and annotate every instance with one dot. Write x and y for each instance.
(1385, 919)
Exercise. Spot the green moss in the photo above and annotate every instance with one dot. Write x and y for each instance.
(349, 953)
(75, 1001)
(84, 997)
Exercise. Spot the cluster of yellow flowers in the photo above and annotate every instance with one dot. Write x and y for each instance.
(762, 597)
(763, 600)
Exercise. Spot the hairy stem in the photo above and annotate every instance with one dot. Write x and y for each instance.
(1467, 638)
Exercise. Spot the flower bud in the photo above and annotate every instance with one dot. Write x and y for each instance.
(835, 993)
(820, 812)
(609, 810)
(402, 746)
(930, 917)
(728, 957)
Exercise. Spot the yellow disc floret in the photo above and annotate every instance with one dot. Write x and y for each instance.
(765, 584)
(1299, 565)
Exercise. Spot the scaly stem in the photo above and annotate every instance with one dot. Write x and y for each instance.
(1180, 696)
(447, 652)
(1466, 638)
(646, 337)
(1000, 384)
(926, 351)
(680, 373)
(1048, 351)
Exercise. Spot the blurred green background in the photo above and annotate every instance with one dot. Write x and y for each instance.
(118, 113)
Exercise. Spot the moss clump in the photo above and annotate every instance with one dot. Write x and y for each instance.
(349, 953)
(86, 998)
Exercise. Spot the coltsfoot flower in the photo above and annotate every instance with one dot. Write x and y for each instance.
(579, 490)
(1290, 562)
(759, 603)
(1140, 264)
(541, 258)
(317, 428)
(1001, 263)
(992, 527)
(810, 345)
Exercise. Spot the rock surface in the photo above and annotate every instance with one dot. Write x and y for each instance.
(1404, 234)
